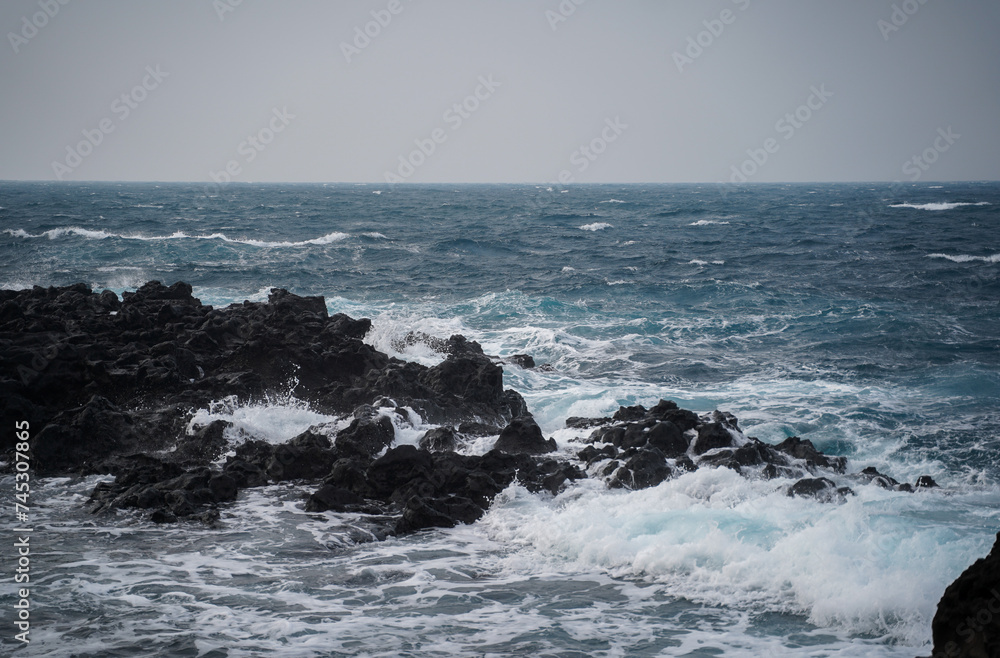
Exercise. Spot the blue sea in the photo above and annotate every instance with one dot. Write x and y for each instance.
(864, 317)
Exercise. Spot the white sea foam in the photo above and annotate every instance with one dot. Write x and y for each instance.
(274, 420)
(708, 222)
(965, 258)
(715, 537)
(944, 205)
(596, 226)
(412, 337)
(90, 234)
(614, 201)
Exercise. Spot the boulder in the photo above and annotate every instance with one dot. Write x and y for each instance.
(967, 621)
(523, 436)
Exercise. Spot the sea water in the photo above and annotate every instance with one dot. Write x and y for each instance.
(863, 317)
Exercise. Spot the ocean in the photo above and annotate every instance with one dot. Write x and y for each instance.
(864, 317)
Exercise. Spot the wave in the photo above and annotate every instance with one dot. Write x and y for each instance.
(706, 222)
(965, 258)
(943, 205)
(90, 234)
(716, 538)
(596, 226)
(59, 232)
(614, 201)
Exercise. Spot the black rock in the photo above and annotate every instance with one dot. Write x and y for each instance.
(206, 444)
(711, 436)
(437, 513)
(822, 489)
(638, 412)
(647, 468)
(925, 482)
(521, 360)
(967, 621)
(523, 436)
(307, 456)
(575, 422)
(439, 439)
(401, 466)
(590, 454)
(332, 497)
(666, 437)
(872, 476)
(807, 452)
(368, 434)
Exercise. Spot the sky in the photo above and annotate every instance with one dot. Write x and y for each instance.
(424, 91)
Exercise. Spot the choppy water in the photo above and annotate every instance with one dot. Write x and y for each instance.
(862, 317)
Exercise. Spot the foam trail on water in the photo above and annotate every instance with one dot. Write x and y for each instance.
(944, 205)
(596, 226)
(965, 258)
(52, 234)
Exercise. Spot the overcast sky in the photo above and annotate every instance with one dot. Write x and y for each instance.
(601, 91)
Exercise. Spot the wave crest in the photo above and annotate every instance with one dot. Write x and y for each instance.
(90, 234)
(943, 205)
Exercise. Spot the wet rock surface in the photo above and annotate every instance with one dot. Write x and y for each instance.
(110, 386)
(967, 622)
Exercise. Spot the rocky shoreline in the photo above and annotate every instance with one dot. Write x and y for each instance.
(110, 386)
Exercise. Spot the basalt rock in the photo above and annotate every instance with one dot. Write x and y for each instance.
(967, 621)
(806, 451)
(523, 436)
(641, 447)
(439, 439)
(64, 351)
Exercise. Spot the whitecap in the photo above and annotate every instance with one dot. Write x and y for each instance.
(596, 226)
(90, 234)
(707, 222)
(943, 205)
(614, 201)
(965, 258)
